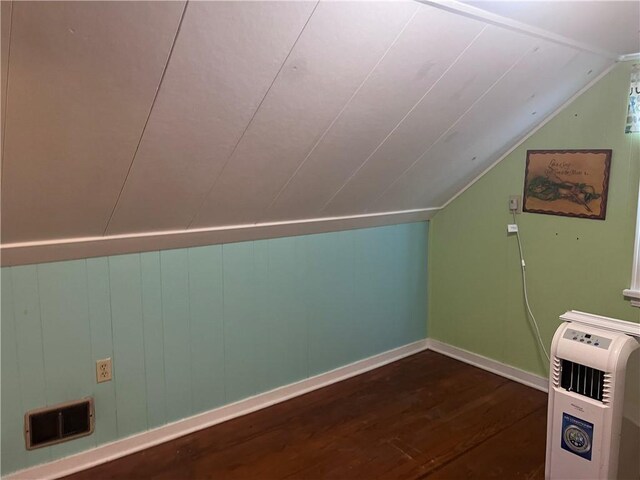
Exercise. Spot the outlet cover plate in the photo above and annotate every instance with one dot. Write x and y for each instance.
(103, 370)
(517, 201)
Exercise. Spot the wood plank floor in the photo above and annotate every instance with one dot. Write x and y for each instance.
(426, 416)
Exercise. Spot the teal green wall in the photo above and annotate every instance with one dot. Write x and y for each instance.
(193, 329)
(476, 300)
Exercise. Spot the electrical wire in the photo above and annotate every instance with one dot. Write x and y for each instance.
(524, 288)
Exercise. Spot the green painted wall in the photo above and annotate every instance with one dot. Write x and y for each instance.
(193, 329)
(476, 300)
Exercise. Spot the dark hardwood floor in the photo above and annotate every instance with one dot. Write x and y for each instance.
(426, 416)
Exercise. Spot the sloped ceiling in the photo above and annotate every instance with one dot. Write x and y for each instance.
(128, 118)
(609, 25)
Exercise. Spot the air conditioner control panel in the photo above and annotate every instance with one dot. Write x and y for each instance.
(587, 338)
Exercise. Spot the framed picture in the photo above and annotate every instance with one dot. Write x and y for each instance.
(572, 183)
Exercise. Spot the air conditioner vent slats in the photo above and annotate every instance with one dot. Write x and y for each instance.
(585, 427)
(557, 368)
(583, 380)
(606, 389)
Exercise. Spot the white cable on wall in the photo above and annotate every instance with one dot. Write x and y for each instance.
(524, 288)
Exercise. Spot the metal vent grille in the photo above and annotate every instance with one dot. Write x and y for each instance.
(51, 425)
(584, 380)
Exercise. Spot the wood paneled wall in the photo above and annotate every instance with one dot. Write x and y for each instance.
(193, 329)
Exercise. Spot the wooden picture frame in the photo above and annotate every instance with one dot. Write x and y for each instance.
(571, 183)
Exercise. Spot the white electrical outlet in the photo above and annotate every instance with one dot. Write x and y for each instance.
(515, 203)
(103, 370)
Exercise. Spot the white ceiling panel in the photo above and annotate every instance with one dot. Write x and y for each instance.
(133, 118)
(225, 58)
(445, 181)
(376, 109)
(82, 77)
(513, 107)
(492, 54)
(340, 46)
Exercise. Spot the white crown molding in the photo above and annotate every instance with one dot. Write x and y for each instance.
(629, 57)
(495, 19)
(85, 247)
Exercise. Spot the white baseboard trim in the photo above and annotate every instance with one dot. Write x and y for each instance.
(150, 438)
(529, 379)
(135, 443)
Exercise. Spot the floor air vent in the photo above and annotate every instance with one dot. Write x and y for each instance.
(60, 423)
(581, 379)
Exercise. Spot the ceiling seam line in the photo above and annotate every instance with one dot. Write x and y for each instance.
(6, 92)
(510, 149)
(418, 102)
(144, 127)
(498, 20)
(546, 120)
(313, 148)
(246, 128)
(417, 160)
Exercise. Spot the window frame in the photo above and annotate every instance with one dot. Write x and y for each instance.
(633, 292)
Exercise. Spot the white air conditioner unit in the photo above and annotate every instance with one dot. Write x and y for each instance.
(591, 433)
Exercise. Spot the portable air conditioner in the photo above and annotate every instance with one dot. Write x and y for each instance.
(592, 423)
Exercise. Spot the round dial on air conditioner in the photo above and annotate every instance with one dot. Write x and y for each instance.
(577, 439)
